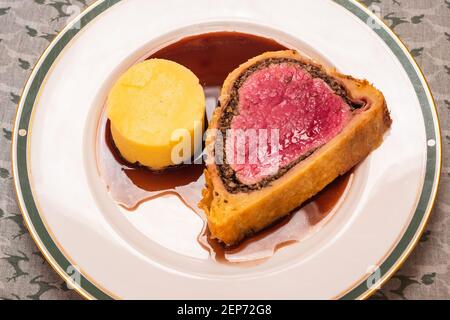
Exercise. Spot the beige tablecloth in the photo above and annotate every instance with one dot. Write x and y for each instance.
(27, 26)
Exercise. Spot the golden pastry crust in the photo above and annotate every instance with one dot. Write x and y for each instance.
(233, 216)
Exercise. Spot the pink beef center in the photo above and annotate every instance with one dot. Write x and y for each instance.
(284, 114)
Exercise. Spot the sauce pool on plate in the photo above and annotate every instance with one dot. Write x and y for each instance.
(211, 57)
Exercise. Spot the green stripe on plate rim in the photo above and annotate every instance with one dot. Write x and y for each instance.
(29, 97)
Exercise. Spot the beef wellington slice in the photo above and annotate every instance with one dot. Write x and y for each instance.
(285, 127)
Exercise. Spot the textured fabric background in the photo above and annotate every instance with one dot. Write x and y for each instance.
(27, 27)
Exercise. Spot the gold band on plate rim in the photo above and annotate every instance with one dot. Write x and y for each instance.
(370, 291)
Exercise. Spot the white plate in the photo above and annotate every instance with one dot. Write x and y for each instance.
(78, 227)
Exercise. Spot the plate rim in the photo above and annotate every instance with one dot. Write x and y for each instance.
(87, 287)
